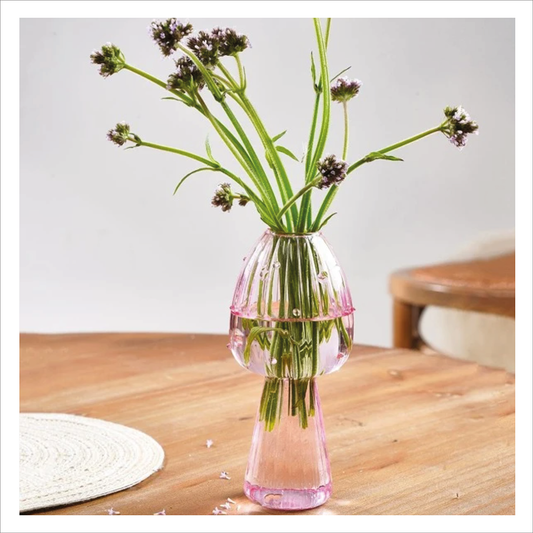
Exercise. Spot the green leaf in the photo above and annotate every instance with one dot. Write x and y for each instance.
(326, 220)
(339, 74)
(171, 98)
(267, 219)
(278, 136)
(209, 153)
(254, 332)
(245, 84)
(313, 69)
(190, 174)
(372, 156)
(286, 151)
(269, 160)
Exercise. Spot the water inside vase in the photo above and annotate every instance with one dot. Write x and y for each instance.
(294, 349)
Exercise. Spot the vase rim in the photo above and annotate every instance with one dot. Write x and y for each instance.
(294, 235)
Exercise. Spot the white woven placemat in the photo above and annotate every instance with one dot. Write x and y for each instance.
(66, 459)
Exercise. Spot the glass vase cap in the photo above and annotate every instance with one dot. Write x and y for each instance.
(291, 277)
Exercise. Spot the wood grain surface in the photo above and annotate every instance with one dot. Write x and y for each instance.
(408, 433)
(483, 285)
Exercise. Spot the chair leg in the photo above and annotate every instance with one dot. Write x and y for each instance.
(405, 325)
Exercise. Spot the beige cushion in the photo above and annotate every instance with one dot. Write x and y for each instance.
(486, 339)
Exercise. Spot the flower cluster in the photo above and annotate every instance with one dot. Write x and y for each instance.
(205, 48)
(344, 89)
(198, 65)
(458, 125)
(229, 41)
(120, 134)
(110, 59)
(187, 77)
(209, 47)
(332, 171)
(224, 197)
(168, 34)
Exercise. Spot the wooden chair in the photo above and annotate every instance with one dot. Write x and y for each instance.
(483, 285)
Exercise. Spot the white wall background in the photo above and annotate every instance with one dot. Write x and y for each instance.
(106, 247)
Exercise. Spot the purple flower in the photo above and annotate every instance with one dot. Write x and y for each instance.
(110, 59)
(332, 171)
(458, 126)
(187, 77)
(168, 34)
(230, 42)
(209, 47)
(223, 197)
(120, 134)
(205, 48)
(344, 89)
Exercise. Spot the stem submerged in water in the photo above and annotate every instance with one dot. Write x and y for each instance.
(291, 338)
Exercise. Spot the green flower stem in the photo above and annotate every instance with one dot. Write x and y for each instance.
(328, 200)
(282, 179)
(209, 81)
(326, 95)
(309, 153)
(318, 90)
(189, 101)
(346, 130)
(293, 346)
(396, 146)
(328, 28)
(242, 76)
(256, 163)
(246, 165)
(260, 172)
(263, 210)
(240, 131)
(221, 129)
(222, 80)
(300, 193)
(256, 171)
(190, 155)
(326, 111)
(161, 83)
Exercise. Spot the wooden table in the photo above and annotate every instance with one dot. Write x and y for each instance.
(407, 433)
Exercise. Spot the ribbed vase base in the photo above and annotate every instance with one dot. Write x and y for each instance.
(288, 499)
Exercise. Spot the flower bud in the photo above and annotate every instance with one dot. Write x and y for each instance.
(344, 89)
(332, 171)
(110, 59)
(168, 34)
(458, 126)
(119, 134)
(187, 77)
(223, 197)
(205, 48)
(230, 42)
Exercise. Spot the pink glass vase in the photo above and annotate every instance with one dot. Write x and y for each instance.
(291, 321)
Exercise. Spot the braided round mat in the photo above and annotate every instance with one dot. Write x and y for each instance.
(66, 459)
